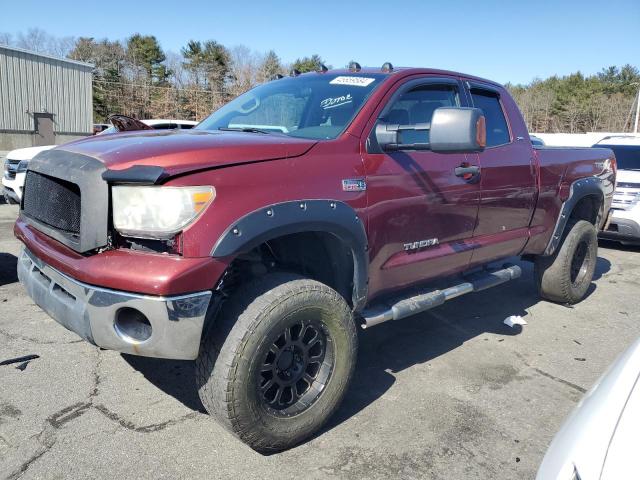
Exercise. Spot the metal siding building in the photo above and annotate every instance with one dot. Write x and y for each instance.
(43, 99)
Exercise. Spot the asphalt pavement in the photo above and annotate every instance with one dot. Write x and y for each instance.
(449, 394)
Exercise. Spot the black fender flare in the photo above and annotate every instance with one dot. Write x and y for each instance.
(578, 190)
(330, 216)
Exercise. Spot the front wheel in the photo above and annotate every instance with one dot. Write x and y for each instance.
(565, 276)
(278, 360)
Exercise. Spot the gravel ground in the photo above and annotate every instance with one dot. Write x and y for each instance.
(452, 393)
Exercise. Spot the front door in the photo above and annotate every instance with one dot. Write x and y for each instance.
(420, 213)
(44, 129)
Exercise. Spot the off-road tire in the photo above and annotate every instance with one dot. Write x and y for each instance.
(565, 276)
(228, 368)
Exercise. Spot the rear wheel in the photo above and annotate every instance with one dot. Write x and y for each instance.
(278, 360)
(565, 276)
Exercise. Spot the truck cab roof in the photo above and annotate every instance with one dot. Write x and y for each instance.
(404, 71)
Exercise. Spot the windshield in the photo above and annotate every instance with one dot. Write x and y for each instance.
(316, 106)
(627, 156)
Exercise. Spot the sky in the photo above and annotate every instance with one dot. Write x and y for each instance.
(506, 41)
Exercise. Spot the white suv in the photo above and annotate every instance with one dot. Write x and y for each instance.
(624, 224)
(15, 168)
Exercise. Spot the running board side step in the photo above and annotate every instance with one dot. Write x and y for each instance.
(425, 301)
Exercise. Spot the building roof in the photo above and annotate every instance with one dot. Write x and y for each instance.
(44, 55)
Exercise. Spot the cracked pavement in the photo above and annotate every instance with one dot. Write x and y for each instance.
(452, 393)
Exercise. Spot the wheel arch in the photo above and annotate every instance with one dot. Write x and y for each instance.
(295, 224)
(585, 202)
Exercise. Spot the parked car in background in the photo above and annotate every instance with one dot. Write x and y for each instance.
(100, 127)
(536, 141)
(18, 160)
(158, 124)
(600, 439)
(624, 220)
(15, 167)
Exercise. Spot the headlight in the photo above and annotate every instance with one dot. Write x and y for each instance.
(22, 166)
(157, 212)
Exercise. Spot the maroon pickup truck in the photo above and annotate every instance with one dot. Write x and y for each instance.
(257, 242)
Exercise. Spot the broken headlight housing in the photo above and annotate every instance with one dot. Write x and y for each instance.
(157, 212)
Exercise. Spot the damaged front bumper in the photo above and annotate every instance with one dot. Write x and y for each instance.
(147, 325)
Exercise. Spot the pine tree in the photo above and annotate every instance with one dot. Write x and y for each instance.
(308, 64)
(270, 67)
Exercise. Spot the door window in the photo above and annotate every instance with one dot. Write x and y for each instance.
(417, 106)
(497, 129)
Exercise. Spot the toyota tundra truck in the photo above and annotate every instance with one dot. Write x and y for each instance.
(257, 243)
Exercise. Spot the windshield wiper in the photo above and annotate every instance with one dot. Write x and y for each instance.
(244, 129)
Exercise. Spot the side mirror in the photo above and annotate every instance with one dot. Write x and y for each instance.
(457, 129)
(389, 135)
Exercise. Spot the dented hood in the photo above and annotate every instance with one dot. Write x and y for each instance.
(180, 152)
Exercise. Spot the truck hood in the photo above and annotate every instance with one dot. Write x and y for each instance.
(180, 152)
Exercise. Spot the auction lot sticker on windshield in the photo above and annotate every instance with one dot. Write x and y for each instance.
(355, 81)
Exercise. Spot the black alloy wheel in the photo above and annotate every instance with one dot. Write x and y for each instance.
(296, 367)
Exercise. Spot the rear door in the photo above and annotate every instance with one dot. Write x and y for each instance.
(420, 212)
(507, 180)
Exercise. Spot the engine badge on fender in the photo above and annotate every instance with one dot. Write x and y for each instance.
(354, 185)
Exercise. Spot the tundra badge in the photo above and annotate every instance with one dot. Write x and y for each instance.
(421, 244)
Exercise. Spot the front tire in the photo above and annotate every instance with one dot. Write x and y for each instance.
(565, 276)
(278, 360)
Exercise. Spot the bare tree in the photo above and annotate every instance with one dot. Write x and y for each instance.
(37, 40)
(60, 47)
(244, 69)
(6, 39)
(34, 39)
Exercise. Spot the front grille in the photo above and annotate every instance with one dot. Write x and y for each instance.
(52, 201)
(625, 196)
